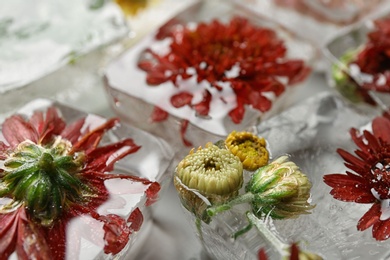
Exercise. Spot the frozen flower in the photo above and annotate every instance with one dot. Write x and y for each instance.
(250, 148)
(294, 254)
(279, 190)
(210, 172)
(283, 190)
(132, 7)
(369, 179)
(371, 61)
(51, 172)
(250, 60)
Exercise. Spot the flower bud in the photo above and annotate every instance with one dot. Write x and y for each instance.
(208, 176)
(280, 189)
(250, 148)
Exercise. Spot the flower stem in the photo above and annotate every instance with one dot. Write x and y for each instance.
(280, 246)
(244, 198)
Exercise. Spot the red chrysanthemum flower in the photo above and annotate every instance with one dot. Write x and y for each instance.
(294, 254)
(50, 173)
(371, 60)
(369, 180)
(250, 59)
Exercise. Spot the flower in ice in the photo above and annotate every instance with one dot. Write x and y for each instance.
(249, 60)
(209, 172)
(132, 7)
(371, 62)
(52, 172)
(294, 254)
(279, 190)
(368, 180)
(250, 148)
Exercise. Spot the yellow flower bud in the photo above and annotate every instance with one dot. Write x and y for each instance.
(250, 148)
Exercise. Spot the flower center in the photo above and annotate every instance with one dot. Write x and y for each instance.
(381, 177)
(209, 164)
(44, 178)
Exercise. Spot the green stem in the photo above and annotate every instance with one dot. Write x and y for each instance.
(244, 198)
(268, 234)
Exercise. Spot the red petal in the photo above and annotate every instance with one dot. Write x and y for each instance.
(349, 158)
(38, 249)
(158, 115)
(183, 129)
(56, 239)
(146, 65)
(262, 255)
(156, 78)
(135, 219)
(260, 102)
(237, 114)
(52, 125)
(72, 132)
(294, 252)
(91, 140)
(370, 217)
(17, 130)
(3, 149)
(8, 234)
(103, 158)
(381, 230)
(116, 233)
(152, 193)
(349, 188)
(381, 129)
(203, 107)
(181, 99)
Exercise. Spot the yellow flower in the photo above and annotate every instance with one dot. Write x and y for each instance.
(208, 176)
(132, 7)
(250, 148)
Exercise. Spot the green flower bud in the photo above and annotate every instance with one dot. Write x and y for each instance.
(280, 189)
(343, 82)
(45, 179)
